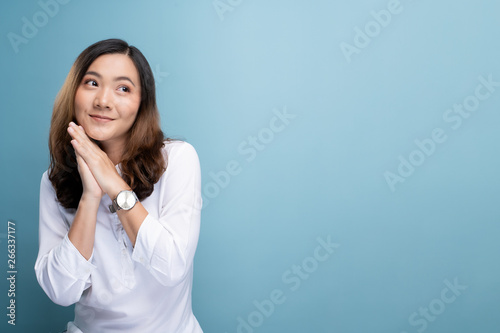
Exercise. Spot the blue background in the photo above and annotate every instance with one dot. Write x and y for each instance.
(219, 77)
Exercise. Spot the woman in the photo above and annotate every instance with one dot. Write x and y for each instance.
(118, 224)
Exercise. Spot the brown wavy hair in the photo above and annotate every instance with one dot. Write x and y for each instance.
(142, 163)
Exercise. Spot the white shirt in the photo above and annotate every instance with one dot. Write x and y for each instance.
(146, 288)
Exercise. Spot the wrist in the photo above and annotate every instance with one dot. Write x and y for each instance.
(116, 187)
(90, 200)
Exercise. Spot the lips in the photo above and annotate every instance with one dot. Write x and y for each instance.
(100, 118)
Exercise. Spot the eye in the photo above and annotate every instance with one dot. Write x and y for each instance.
(123, 89)
(91, 82)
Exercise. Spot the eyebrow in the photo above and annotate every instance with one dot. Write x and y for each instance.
(118, 78)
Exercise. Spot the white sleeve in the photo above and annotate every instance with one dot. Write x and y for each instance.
(166, 245)
(61, 270)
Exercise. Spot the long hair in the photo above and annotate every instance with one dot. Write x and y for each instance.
(142, 163)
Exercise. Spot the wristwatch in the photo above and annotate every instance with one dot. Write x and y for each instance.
(125, 200)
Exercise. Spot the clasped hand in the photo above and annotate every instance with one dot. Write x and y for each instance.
(97, 171)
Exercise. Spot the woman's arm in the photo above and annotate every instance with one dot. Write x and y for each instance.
(166, 243)
(61, 270)
(63, 266)
(82, 230)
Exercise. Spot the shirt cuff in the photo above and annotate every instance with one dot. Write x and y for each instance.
(71, 259)
(145, 241)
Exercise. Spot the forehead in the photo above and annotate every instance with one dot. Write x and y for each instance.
(115, 65)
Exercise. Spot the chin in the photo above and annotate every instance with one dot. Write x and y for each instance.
(96, 135)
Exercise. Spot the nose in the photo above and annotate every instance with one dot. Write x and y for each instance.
(103, 99)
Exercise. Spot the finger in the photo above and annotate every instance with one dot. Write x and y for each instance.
(82, 152)
(88, 180)
(82, 143)
(78, 133)
(94, 158)
(79, 159)
(84, 168)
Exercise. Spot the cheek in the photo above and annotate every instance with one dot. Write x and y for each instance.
(131, 109)
(79, 105)
(136, 108)
(131, 118)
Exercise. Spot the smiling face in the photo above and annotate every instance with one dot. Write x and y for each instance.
(107, 100)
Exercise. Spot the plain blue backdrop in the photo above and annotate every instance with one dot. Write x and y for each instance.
(372, 125)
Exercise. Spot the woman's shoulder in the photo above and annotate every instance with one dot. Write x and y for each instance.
(180, 154)
(173, 147)
(45, 181)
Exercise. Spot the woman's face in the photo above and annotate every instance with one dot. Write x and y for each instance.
(108, 98)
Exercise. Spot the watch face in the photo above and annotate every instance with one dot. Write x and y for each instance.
(126, 200)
